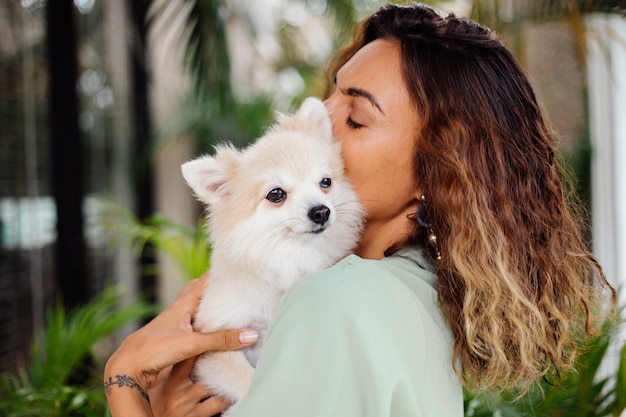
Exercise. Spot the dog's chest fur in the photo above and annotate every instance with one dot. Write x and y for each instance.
(236, 298)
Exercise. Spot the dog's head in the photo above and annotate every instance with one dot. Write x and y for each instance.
(286, 189)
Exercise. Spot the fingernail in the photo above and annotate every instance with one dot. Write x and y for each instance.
(248, 336)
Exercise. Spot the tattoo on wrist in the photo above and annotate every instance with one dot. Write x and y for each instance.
(124, 381)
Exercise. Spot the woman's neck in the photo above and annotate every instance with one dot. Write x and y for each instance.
(379, 236)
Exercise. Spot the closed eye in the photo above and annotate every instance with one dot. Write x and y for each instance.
(352, 124)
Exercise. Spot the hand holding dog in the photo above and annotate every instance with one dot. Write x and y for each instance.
(144, 360)
(175, 395)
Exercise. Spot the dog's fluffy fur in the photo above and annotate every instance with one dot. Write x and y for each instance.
(261, 247)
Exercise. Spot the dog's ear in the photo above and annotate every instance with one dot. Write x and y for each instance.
(312, 117)
(208, 175)
(314, 110)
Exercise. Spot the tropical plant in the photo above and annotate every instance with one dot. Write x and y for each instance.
(185, 245)
(211, 112)
(63, 375)
(199, 120)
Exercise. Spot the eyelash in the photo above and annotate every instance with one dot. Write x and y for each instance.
(352, 124)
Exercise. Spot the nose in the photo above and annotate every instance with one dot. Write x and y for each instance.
(319, 214)
(330, 103)
(334, 110)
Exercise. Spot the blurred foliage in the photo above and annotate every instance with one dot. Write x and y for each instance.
(200, 120)
(204, 44)
(64, 375)
(498, 13)
(508, 17)
(186, 246)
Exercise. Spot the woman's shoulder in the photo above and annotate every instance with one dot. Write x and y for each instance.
(367, 329)
(406, 273)
(404, 281)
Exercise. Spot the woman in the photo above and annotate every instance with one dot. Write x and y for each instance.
(471, 269)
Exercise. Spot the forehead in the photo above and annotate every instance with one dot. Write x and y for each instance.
(292, 155)
(377, 68)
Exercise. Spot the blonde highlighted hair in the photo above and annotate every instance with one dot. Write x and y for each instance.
(516, 283)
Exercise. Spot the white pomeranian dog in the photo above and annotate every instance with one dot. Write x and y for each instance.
(277, 210)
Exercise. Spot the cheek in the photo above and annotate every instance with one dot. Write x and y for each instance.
(368, 174)
(367, 163)
(402, 168)
(356, 161)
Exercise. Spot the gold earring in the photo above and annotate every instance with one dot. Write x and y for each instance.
(432, 237)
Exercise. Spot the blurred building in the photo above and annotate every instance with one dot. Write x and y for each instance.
(73, 116)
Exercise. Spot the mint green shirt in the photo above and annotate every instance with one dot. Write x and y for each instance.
(362, 338)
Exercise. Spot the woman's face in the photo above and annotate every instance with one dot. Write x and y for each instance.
(376, 123)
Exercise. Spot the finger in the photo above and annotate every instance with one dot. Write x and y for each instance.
(199, 392)
(162, 376)
(194, 287)
(210, 407)
(188, 300)
(183, 369)
(190, 295)
(224, 340)
(191, 344)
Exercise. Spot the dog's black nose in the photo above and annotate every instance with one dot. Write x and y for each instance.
(319, 214)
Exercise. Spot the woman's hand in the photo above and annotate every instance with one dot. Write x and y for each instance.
(175, 395)
(167, 340)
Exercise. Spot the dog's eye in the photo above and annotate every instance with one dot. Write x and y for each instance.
(276, 195)
(326, 182)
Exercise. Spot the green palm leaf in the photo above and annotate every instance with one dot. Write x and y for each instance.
(63, 377)
(186, 246)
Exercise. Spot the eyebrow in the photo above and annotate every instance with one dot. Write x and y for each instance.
(359, 92)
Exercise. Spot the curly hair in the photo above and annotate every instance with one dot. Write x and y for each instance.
(516, 282)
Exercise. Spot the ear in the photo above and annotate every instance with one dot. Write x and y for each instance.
(312, 117)
(314, 111)
(208, 176)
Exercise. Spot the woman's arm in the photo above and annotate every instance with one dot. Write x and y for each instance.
(146, 357)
